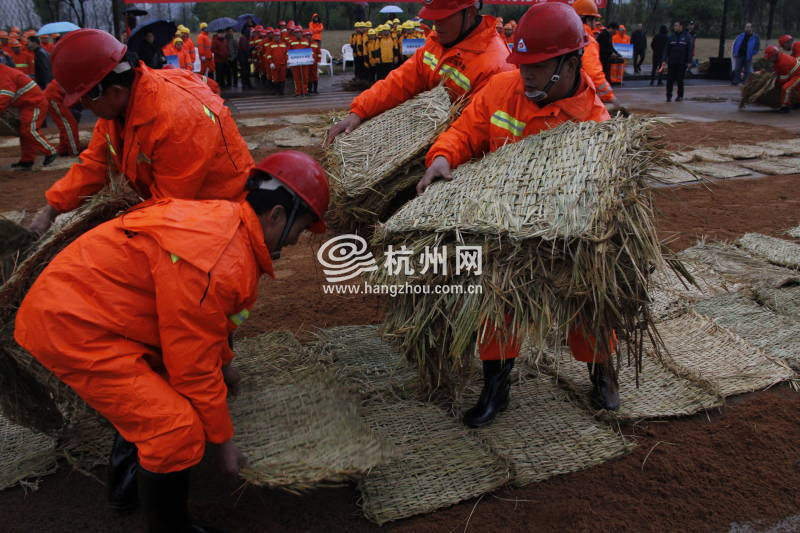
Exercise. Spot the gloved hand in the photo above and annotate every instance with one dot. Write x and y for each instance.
(614, 108)
(232, 379)
(231, 459)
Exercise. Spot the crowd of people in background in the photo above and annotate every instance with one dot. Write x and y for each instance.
(378, 50)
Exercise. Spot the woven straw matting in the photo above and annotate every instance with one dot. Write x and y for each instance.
(746, 151)
(660, 392)
(777, 335)
(24, 454)
(9, 123)
(775, 167)
(707, 353)
(362, 163)
(787, 146)
(708, 155)
(86, 441)
(439, 462)
(737, 267)
(297, 427)
(564, 235)
(361, 357)
(543, 433)
(673, 176)
(669, 294)
(778, 251)
(716, 170)
(794, 232)
(783, 300)
(760, 89)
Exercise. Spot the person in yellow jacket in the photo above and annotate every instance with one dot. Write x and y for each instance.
(371, 59)
(358, 42)
(385, 52)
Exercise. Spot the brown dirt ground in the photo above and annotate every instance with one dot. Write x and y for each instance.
(690, 135)
(701, 473)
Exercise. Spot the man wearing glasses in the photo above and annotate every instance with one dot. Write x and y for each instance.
(164, 130)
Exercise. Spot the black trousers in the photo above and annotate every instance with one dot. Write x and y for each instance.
(223, 74)
(638, 60)
(244, 70)
(655, 73)
(233, 67)
(383, 70)
(676, 75)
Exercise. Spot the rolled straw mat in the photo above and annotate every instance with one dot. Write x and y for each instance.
(24, 454)
(777, 251)
(777, 335)
(297, 427)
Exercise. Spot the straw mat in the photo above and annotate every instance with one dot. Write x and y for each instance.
(778, 251)
(738, 268)
(24, 454)
(783, 300)
(716, 170)
(775, 167)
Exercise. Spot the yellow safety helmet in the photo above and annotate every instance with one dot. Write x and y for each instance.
(183, 29)
(368, 24)
(177, 40)
(359, 25)
(203, 25)
(396, 21)
(408, 25)
(371, 32)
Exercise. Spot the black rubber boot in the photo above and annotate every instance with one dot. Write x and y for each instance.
(494, 396)
(121, 480)
(784, 109)
(49, 159)
(605, 389)
(164, 499)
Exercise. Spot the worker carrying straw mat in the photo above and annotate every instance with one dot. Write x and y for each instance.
(565, 226)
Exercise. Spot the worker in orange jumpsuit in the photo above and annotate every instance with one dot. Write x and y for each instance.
(177, 140)
(147, 347)
(184, 59)
(587, 10)
(548, 89)
(787, 70)
(169, 48)
(299, 74)
(68, 140)
(618, 69)
(788, 44)
(20, 91)
(499, 27)
(316, 27)
(46, 44)
(277, 57)
(313, 70)
(214, 86)
(21, 56)
(464, 52)
(508, 35)
(204, 49)
(188, 44)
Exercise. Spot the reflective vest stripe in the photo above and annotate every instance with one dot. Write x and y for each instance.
(457, 77)
(70, 137)
(23, 90)
(210, 114)
(110, 145)
(35, 133)
(240, 317)
(430, 60)
(503, 120)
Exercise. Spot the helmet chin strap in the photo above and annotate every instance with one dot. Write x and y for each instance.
(538, 96)
(276, 253)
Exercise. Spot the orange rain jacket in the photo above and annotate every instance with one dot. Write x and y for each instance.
(787, 69)
(179, 140)
(316, 28)
(465, 68)
(594, 68)
(204, 49)
(145, 346)
(501, 113)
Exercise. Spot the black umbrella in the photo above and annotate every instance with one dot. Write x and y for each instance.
(241, 20)
(163, 30)
(221, 24)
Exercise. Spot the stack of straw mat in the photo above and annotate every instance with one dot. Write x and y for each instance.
(566, 230)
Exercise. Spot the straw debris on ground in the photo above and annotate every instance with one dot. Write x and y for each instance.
(777, 251)
(24, 455)
(363, 164)
(567, 239)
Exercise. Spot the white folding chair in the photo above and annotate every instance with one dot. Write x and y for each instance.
(326, 60)
(347, 55)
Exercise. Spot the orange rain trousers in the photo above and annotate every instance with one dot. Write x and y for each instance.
(18, 90)
(178, 141)
(68, 140)
(144, 346)
(787, 69)
(465, 68)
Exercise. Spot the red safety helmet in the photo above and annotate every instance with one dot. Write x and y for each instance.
(15, 29)
(3, 34)
(586, 8)
(82, 58)
(304, 177)
(783, 39)
(13, 43)
(441, 9)
(771, 51)
(282, 23)
(546, 31)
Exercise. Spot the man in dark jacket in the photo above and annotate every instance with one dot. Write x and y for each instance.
(152, 55)
(639, 42)
(608, 54)
(221, 51)
(657, 45)
(243, 57)
(676, 59)
(43, 71)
